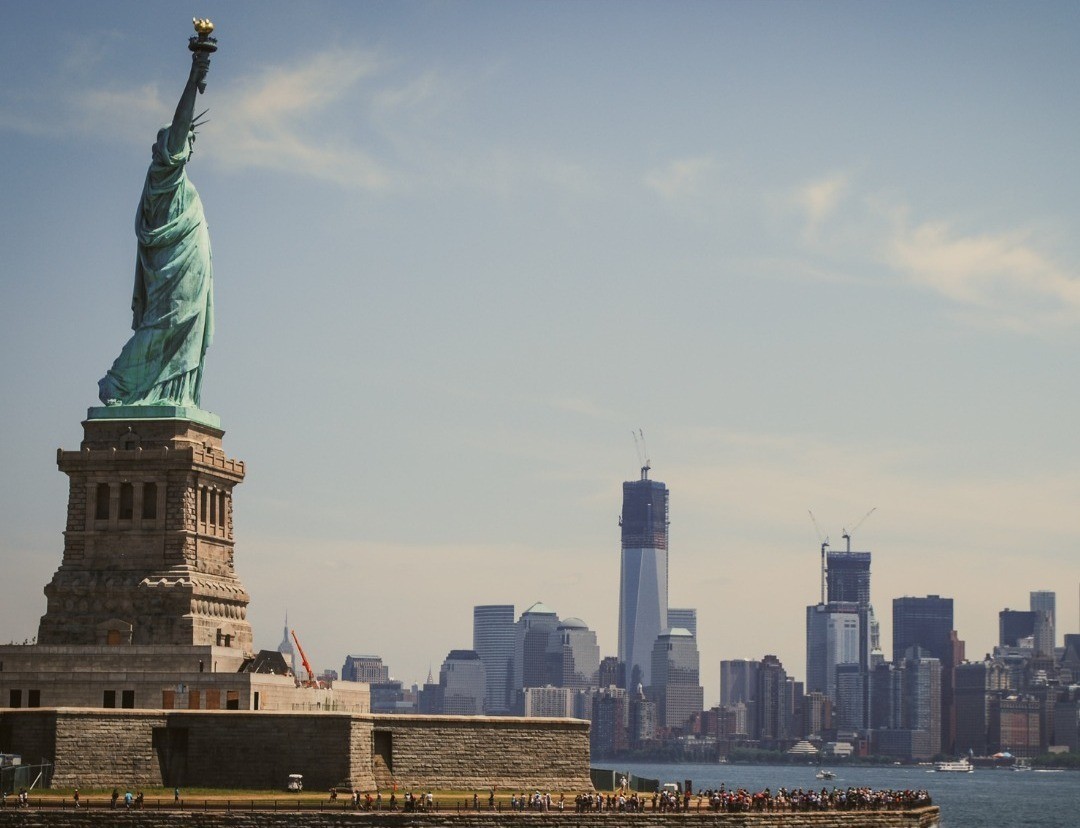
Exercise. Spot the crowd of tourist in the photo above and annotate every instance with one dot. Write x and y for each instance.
(740, 800)
(799, 799)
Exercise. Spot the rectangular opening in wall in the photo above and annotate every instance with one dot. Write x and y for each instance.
(213, 509)
(113, 638)
(127, 501)
(33, 698)
(256, 705)
(127, 699)
(149, 501)
(193, 700)
(15, 698)
(232, 699)
(108, 698)
(168, 699)
(101, 503)
(213, 699)
(384, 748)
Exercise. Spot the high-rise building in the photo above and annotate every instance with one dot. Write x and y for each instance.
(1015, 725)
(683, 618)
(738, 681)
(852, 694)
(643, 719)
(367, 668)
(643, 576)
(493, 641)
(288, 652)
(773, 702)
(552, 702)
(832, 638)
(922, 702)
(608, 734)
(738, 686)
(976, 684)
(676, 677)
(612, 673)
(463, 683)
(848, 580)
(1067, 719)
(573, 655)
(531, 633)
(1014, 625)
(927, 623)
(922, 622)
(849, 576)
(1044, 603)
(817, 715)
(887, 696)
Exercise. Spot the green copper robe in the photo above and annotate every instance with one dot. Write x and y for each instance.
(173, 301)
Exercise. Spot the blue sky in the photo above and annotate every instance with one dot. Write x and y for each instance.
(823, 254)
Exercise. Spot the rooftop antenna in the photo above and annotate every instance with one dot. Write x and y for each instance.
(824, 540)
(847, 535)
(642, 452)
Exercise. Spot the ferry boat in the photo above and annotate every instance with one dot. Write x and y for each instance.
(959, 766)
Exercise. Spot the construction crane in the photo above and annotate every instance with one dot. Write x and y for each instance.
(307, 665)
(847, 535)
(642, 452)
(824, 545)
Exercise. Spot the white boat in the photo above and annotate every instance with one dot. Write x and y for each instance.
(825, 774)
(959, 766)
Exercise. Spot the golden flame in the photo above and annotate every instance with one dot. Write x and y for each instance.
(203, 26)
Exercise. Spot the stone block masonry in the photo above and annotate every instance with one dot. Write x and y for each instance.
(475, 752)
(258, 750)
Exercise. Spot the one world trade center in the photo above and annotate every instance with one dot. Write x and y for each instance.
(643, 580)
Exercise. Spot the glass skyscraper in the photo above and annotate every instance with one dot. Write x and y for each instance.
(643, 578)
(493, 641)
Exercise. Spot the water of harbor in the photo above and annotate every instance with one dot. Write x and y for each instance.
(998, 798)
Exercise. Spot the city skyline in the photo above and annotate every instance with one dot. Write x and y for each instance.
(823, 256)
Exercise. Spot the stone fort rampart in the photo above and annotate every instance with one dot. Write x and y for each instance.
(258, 750)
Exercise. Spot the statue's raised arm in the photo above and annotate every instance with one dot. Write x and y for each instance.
(172, 303)
(185, 109)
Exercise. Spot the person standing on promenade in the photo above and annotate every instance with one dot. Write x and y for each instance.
(75, 796)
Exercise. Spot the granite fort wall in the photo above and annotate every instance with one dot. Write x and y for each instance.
(475, 752)
(258, 750)
(922, 818)
(214, 749)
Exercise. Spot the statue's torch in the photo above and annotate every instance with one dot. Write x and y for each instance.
(201, 43)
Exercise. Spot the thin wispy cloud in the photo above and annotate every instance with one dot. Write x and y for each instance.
(681, 178)
(1001, 275)
(819, 199)
(991, 279)
(277, 120)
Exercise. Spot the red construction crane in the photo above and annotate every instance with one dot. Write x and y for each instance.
(307, 665)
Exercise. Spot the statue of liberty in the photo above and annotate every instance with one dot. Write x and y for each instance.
(173, 302)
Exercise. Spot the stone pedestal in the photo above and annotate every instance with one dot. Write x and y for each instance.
(148, 545)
